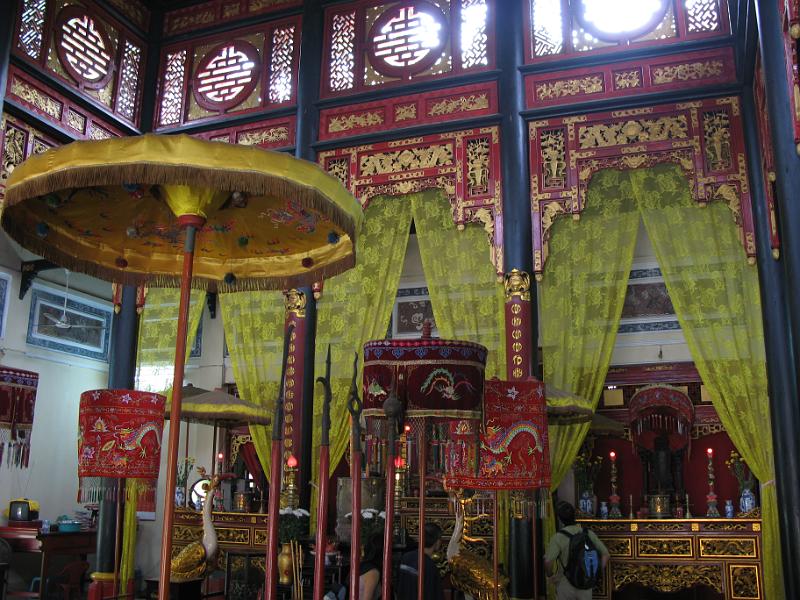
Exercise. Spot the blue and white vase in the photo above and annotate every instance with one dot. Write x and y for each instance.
(603, 510)
(729, 511)
(180, 496)
(586, 503)
(747, 502)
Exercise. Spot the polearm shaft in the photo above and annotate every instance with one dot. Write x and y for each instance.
(322, 489)
(276, 462)
(355, 407)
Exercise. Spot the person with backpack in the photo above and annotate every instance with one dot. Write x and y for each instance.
(580, 554)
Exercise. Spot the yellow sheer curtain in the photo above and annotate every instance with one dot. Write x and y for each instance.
(155, 362)
(254, 324)
(355, 307)
(467, 299)
(716, 298)
(582, 293)
(155, 357)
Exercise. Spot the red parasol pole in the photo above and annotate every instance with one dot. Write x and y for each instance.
(423, 440)
(191, 223)
(392, 408)
(276, 462)
(495, 547)
(355, 407)
(322, 490)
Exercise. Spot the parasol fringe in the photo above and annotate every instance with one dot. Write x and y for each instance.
(251, 182)
(29, 240)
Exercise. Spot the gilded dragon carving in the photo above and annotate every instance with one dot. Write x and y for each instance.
(603, 135)
(667, 578)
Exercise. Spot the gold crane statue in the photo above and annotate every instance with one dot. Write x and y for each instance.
(471, 573)
(194, 560)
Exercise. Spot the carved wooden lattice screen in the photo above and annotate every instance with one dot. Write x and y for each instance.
(372, 44)
(246, 71)
(559, 28)
(87, 49)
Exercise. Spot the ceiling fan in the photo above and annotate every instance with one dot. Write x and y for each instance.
(62, 322)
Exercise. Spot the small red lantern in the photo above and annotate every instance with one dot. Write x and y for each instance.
(119, 435)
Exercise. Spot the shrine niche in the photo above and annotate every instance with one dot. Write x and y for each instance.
(464, 164)
(703, 137)
(661, 419)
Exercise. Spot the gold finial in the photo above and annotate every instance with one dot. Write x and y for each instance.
(794, 31)
(295, 302)
(518, 283)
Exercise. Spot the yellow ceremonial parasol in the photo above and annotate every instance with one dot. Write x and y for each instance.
(137, 210)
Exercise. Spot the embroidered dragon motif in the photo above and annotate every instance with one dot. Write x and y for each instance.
(444, 382)
(498, 439)
(131, 439)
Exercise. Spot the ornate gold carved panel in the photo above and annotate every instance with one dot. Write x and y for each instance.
(619, 546)
(728, 547)
(233, 535)
(744, 582)
(464, 164)
(664, 547)
(704, 138)
(667, 577)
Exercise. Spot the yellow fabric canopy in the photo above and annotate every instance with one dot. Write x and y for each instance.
(111, 209)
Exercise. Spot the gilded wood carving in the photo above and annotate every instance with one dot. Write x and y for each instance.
(704, 138)
(464, 164)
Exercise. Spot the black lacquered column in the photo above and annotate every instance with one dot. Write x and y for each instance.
(524, 564)
(308, 83)
(781, 363)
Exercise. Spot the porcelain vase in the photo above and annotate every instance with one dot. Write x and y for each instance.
(586, 503)
(729, 511)
(603, 509)
(747, 501)
(180, 496)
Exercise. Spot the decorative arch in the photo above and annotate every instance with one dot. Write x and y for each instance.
(704, 138)
(464, 164)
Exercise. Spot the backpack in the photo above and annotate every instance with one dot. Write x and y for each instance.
(583, 565)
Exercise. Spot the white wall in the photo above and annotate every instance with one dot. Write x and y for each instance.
(52, 475)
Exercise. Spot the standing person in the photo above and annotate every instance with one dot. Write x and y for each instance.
(409, 574)
(580, 554)
(370, 568)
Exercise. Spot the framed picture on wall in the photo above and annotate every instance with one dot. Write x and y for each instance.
(71, 324)
(647, 307)
(5, 287)
(412, 306)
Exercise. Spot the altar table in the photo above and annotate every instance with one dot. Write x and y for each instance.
(29, 539)
(669, 555)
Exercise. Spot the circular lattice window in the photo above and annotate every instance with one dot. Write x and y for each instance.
(619, 20)
(226, 76)
(84, 48)
(407, 38)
